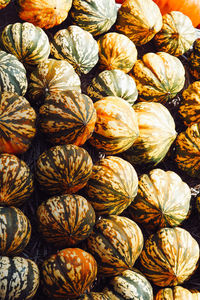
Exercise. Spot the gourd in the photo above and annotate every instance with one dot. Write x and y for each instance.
(194, 60)
(4, 3)
(94, 296)
(175, 293)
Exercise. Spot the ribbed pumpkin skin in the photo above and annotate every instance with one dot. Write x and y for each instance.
(169, 256)
(156, 134)
(116, 127)
(194, 60)
(177, 34)
(112, 185)
(68, 273)
(16, 180)
(19, 278)
(95, 296)
(116, 242)
(28, 43)
(4, 3)
(129, 285)
(140, 20)
(15, 231)
(95, 16)
(65, 220)
(163, 200)
(12, 74)
(77, 46)
(176, 293)
(63, 169)
(17, 123)
(158, 76)
(67, 118)
(45, 13)
(113, 83)
(116, 51)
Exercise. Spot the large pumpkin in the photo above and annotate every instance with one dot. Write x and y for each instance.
(175, 293)
(17, 123)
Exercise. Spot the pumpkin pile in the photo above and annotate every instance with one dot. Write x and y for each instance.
(99, 150)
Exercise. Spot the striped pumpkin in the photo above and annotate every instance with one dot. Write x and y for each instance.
(12, 74)
(16, 180)
(65, 220)
(163, 200)
(4, 3)
(116, 127)
(15, 231)
(28, 43)
(94, 296)
(112, 186)
(140, 20)
(116, 51)
(68, 273)
(67, 118)
(19, 278)
(169, 256)
(63, 169)
(194, 60)
(95, 16)
(175, 293)
(77, 46)
(116, 242)
(17, 123)
(113, 83)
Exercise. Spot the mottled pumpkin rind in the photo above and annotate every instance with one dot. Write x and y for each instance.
(177, 292)
(194, 60)
(4, 3)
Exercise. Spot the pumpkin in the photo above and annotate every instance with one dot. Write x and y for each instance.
(112, 186)
(169, 256)
(45, 14)
(17, 123)
(67, 118)
(116, 51)
(95, 16)
(177, 34)
(28, 43)
(194, 60)
(4, 3)
(68, 273)
(12, 74)
(175, 293)
(198, 203)
(156, 134)
(158, 76)
(113, 83)
(116, 242)
(63, 169)
(163, 200)
(77, 46)
(139, 20)
(95, 296)
(16, 180)
(15, 231)
(19, 278)
(65, 220)
(116, 127)
(129, 285)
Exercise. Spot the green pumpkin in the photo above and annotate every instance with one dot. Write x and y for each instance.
(194, 60)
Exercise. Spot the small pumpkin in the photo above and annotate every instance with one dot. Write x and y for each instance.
(19, 278)
(17, 123)
(4, 3)
(68, 273)
(16, 180)
(194, 60)
(175, 293)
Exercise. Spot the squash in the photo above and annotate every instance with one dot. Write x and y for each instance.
(77, 46)
(158, 76)
(116, 127)
(113, 83)
(16, 181)
(68, 273)
(17, 123)
(15, 231)
(163, 200)
(112, 186)
(95, 16)
(116, 51)
(4, 3)
(94, 296)
(19, 278)
(12, 74)
(63, 169)
(175, 293)
(156, 134)
(139, 20)
(177, 34)
(67, 118)
(116, 242)
(30, 44)
(194, 60)
(169, 256)
(45, 13)
(65, 220)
